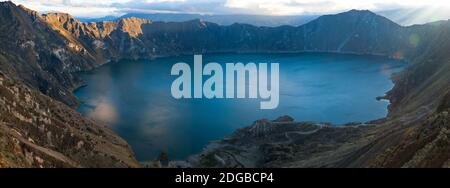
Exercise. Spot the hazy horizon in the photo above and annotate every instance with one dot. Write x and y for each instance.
(401, 11)
(101, 8)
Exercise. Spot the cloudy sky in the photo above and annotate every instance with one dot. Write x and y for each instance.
(99, 8)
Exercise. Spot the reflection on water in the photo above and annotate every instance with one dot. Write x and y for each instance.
(103, 111)
(134, 98)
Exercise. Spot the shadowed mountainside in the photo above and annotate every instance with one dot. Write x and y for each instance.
(41, 53)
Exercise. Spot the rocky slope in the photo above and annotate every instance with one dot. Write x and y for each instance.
(40, 53)
(35, 72)
(37, 131)
(34, 53)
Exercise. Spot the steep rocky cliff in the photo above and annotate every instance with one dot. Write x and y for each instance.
(34, 53)
(35, 73)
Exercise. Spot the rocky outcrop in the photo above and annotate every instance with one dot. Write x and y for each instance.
(284, 144)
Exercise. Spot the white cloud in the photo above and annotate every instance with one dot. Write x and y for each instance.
(97, 8)
(289, 7)
(77, 8)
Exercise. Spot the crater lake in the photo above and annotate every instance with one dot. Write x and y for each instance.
(134, 98)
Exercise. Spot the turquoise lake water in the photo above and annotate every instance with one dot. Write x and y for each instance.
(134, 98)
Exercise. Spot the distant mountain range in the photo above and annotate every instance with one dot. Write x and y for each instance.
(257, 20)
(404, 17)
(40, 54)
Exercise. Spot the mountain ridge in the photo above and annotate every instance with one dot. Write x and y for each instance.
(404, 17)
